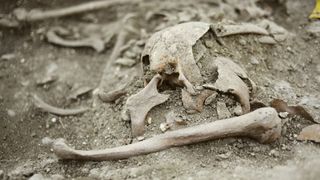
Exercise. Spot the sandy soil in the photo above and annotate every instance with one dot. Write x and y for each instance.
(289, 70)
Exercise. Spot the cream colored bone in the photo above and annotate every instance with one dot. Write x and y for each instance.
(263, 125)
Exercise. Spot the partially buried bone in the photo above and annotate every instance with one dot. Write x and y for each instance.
(55, 110)
(141, 103)
(53, 36)
(263, 125)
(231, 80)
(169, 53)
(194, 103)
(223, 30)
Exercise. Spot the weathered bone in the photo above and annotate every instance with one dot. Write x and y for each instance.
(55, 110)
(94, 42)
(230, 80)
(263, 125)
(140, 104)
(233, 29)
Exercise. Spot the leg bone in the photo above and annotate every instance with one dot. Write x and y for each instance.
(263, 125)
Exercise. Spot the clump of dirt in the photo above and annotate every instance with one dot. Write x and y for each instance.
(288, 70)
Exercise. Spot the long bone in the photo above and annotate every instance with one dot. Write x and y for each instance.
(263, 125)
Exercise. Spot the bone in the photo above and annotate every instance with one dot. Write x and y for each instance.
(55, 110)
(263, 125)
(194, 103)
(37, 15)
(111, 96)
(234, 29)
(230, 80)
(93, 42)
(141, 103)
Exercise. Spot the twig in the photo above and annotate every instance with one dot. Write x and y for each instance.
(55, 110)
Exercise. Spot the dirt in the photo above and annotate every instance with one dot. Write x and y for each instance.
(289, 70)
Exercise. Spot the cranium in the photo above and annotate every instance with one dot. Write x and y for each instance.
(168, 56)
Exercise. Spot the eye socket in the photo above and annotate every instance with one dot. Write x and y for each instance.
(146, 60)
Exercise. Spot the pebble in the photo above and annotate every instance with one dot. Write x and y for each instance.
(8, 56)
(283, 115)
(125, 115)
(1, 174)
(11, 113)
(209, 43)
(267, 40)
(243, 42)
(164, 127)
(254, 61)
(225, 155)
(222, 110)
(140, 138)
(274, 153)
(149, 120)
(125, 62)
(237, 110)
(54, 120)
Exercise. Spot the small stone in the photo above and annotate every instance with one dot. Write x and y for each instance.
(237, 110)
(47, 141)
(8, 56)
(149, 120)
(140, 138)
(267, 40)
(209, 43)
(225, 155)
(256, 149)
(283, 115)
(125, 62)
(254, 61)
(164, 127)
(23, 60)
(11, 113)
(243, 42)
(33, 134)
(125, 115)
(84, 143)
(54, 120)
(1, 174)
(222, 110)
(274, 153)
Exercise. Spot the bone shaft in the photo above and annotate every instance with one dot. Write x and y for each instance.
(248, 125)
(90, 6)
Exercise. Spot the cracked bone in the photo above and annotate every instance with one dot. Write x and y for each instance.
(169, 52)
(263, 125)
(231, 80)
(141, 103)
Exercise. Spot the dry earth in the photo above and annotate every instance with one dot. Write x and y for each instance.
(289, 70)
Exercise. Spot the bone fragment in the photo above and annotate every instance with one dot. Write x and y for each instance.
(112, 95)
(141, 103)
(234, 29)
(37, 15)
(94, 42)
(230, 80)
(263, 125)
(195, 103)
(55, 110)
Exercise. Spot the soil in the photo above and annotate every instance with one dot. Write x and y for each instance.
(289, 70)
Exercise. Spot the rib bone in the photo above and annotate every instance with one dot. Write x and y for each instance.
(263, 125)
